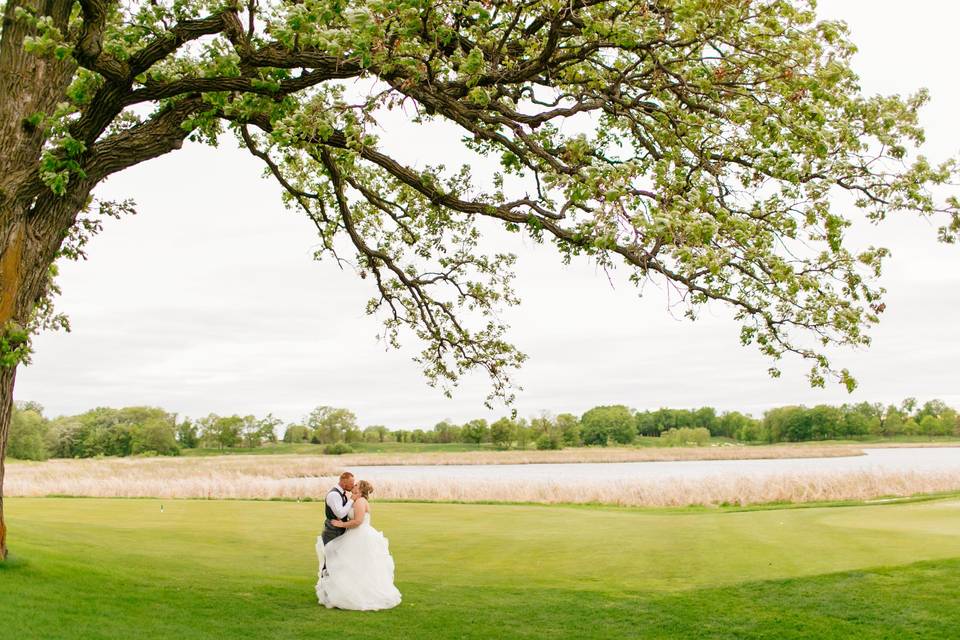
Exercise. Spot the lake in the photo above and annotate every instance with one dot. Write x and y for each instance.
(905, 459)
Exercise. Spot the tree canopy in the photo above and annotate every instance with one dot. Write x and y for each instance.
(693, 141)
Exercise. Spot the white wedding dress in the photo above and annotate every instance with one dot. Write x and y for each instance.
(359, 572)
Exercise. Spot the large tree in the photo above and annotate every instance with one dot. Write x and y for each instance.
(698, 142)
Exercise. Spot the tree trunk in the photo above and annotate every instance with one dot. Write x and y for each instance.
(6, 397)
(34, 221)
(29, 245)
(31, 224)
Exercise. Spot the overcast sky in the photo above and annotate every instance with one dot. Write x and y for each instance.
(208, 299)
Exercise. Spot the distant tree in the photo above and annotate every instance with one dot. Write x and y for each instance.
(661, 420)
(879, 424)
(154, 435)
(188, 435)
(621, 427)
(893, 421)
(523, 433)
(102, 432)
(855, 422)
(545, 432)
(376, 433)
(787, 423)
(706, 418)
(929, 425)
(569, 426)
(956, 424)
(684, 418)
(734, 424)
(446, 432)
(250, 436)
(267, 427)
(908, 406)
(823, 422)
(296, 433)
(933, 408)
(29, 405)
(911, 427)
(423, 437)
(541, 423)
(475, 431)
(799, 426)
(646, 424)
(503, 432)
(874, 415)
(64, 436)
(943, 423)
(331, 424)
(223, 432)
(603, 424)
(255, 432)
(28, 433)
(550, 440)
(105, 431)
(664, 418)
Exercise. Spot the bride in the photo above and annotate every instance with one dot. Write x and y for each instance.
(359, 568)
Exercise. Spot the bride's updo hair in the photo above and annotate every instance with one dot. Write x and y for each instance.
(365, 488)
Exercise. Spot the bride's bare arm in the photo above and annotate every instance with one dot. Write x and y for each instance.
(359, 510)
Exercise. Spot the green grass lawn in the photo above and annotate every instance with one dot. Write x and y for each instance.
(91, 569)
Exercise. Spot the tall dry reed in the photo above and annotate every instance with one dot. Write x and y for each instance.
(302, 477)
(598, 454)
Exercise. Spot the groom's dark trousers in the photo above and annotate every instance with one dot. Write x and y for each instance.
(331, 532)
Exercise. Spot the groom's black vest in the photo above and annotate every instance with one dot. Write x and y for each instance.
(326, 507)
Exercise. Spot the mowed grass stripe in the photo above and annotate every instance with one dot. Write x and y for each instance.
(200, 569)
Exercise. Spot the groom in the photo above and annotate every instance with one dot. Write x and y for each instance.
(338, 505)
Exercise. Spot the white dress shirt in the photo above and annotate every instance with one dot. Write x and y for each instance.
(335, 502)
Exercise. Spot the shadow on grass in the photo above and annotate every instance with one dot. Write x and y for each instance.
(13, 563)
(73, 601)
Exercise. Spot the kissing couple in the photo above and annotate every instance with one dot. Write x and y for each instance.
(356, 568)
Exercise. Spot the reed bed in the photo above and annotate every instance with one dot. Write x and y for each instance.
(599, 454)
(707, 491)
(581, 454)
(302, 477)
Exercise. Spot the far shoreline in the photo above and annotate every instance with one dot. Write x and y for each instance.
(571, 455)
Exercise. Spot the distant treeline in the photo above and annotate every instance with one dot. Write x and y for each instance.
(618, 424)
(152, 431)
(129, 431)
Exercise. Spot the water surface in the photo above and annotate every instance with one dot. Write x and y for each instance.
(886, 459)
